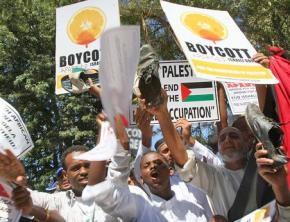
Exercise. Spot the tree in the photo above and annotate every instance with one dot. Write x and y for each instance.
(27, 48)
(263, 24)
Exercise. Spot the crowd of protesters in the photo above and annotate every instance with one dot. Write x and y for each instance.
(181, 180)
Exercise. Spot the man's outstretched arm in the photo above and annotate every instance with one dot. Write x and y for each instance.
(170, 135)
(113, 194)
(22, 200)
(10, 167)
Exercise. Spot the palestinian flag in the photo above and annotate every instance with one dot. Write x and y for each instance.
(197, 91)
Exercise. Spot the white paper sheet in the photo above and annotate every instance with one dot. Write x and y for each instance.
(120, 56)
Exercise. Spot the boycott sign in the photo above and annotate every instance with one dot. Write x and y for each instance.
(13, 132)
(214, 45)
(239, 95)
(78, 28)
(188, 97)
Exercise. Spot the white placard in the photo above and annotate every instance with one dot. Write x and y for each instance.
(78, 30)
(120, 48)
(13, 132)
(188, 96)
(214, 45)
(240, 95)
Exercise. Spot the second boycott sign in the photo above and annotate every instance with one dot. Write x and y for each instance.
(214, 45)
(188, 97)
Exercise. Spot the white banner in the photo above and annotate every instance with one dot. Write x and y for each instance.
(78, 30)
(214, 45)
(188, 97)
(240, 95)
(13, 132)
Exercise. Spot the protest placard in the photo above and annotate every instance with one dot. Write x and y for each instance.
(120, 56)
(13, 132)
(78, 30)
(135, 136)
(188, 96)
(8, 213)
(240, 95)
(214, 45)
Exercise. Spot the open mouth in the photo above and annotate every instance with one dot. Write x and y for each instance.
(154, 174)
(83, 180)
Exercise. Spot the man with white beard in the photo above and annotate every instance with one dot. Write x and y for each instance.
(220, 183)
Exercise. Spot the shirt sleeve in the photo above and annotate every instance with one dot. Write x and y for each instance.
(119, 168)
(198, 174)
(45, 200)
(284, 213)
(204, 154)
(115, 200)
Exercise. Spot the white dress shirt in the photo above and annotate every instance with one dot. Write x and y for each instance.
(132, 204)
(204, 154)
(219, 183)
(71, 208)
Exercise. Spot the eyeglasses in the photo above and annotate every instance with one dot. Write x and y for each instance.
(232, 135)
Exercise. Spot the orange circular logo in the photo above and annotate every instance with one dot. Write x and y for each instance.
(204, 26)
(86, 25)
(261, 214)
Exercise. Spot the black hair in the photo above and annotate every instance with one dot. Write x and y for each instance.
(150, 153)
(241, 124)
(74, 148)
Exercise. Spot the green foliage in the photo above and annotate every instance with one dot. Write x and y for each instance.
(264, 23)
(27, 68)
(27, 49)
